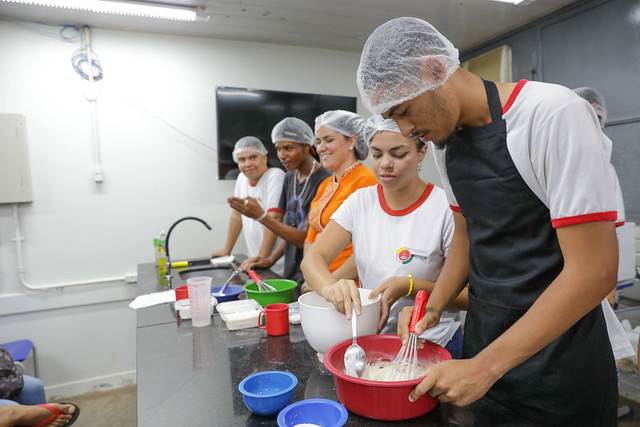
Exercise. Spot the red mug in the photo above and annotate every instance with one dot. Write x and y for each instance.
(276, 319)
(182, 292)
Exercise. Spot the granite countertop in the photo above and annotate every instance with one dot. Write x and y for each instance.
(190, 376)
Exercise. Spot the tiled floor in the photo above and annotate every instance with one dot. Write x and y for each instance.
(110, 408)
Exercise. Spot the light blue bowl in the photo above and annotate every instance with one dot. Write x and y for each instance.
(266, 393)
(322, 412)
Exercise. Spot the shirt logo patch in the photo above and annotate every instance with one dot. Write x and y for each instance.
(404, 256)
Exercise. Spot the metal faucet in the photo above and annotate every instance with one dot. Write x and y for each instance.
(166, 245)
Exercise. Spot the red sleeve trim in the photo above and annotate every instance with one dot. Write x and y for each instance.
(514, 95)
(275, 210)
(619, 224)
(407, 210)
(582, 219)
(455, 208)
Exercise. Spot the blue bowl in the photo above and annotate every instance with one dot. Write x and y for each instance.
(322, 412)
(266, 393)
(230, 294)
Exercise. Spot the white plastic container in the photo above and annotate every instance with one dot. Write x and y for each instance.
(183, 307)
(240, 314)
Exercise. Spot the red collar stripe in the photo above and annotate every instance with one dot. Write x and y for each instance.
(405, 211)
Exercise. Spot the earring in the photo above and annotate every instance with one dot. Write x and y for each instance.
(419, 166)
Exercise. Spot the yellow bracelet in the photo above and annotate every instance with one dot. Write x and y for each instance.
(410, 286)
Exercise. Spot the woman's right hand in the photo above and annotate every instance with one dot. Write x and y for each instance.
(253, 263)
(343, 294)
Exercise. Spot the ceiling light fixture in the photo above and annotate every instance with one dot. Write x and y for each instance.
(514, 2)
(118, 8)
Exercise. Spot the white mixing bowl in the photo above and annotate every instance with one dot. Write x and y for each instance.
(324, 326)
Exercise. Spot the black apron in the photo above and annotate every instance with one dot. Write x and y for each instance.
(514, 255)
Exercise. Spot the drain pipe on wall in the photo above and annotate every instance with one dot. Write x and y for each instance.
(60, 285)
(98, 175)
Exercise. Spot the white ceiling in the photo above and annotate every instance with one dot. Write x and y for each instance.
(329, 24)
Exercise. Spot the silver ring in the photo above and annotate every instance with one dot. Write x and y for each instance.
(246, 202)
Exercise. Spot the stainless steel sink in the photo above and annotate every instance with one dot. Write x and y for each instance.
(218, 274)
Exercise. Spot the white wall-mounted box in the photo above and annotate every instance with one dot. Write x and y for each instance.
(15, 169)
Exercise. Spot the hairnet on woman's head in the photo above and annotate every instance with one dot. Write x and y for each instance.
(594, 98)
(403, 58)
(248, 143)
(292, 129)
(377, 123)
(348, 124)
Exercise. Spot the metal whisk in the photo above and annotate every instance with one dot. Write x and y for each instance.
(405, 364)
(261, 284)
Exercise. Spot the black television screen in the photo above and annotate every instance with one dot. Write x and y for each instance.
(254, 112)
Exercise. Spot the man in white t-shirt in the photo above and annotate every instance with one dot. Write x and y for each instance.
(259, 182)
(526, 177)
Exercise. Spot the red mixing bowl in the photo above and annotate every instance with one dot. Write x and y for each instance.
(381, 400)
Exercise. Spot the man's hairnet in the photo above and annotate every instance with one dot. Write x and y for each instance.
(377, 123)
(596, 99)
(293, 129)
(346, 123)
(248, 143)
(403, 58)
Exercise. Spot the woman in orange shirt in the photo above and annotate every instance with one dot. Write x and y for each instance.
(340, 144)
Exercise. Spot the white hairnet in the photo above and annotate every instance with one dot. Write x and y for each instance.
(248, 143)
(594, 98)
(403, 58)
(292, 129)
(346, 123)
(375, 124)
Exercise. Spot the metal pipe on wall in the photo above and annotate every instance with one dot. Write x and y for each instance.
(97, 162)
(21, 270)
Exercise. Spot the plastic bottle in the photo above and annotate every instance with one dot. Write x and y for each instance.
(156, 242)
(162, 255)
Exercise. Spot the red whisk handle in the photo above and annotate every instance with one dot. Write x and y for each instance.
(418, 310)
(255, 276)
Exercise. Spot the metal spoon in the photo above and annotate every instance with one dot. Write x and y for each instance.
(354, 358)
(221, 291)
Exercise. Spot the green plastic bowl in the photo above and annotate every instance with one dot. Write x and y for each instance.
(283, 292)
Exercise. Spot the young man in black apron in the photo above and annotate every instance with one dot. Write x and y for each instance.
(526, 177)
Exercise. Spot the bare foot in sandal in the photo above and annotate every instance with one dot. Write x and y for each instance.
(47, 415)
